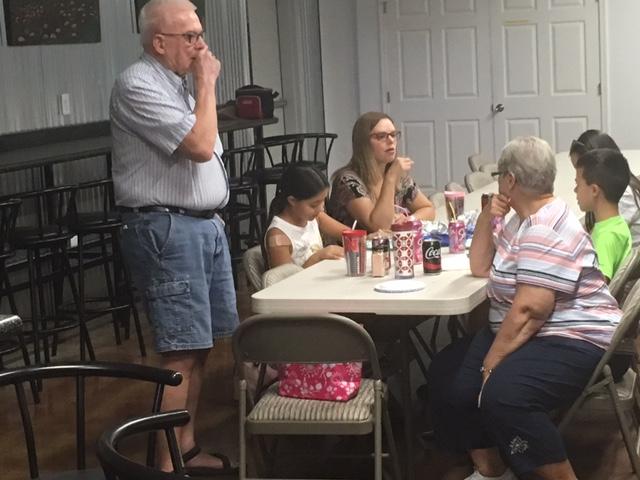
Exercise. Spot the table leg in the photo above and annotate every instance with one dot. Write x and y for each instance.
(405, 379)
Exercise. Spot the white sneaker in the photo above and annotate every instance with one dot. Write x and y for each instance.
(507, 475)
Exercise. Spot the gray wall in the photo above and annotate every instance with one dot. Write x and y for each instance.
(33, 77)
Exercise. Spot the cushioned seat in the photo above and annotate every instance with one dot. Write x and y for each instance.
(275, 409)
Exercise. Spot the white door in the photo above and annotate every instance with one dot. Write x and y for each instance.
(546, 69)
(436, 83)
(446, 63)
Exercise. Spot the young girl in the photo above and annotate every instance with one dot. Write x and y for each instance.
(297, 220)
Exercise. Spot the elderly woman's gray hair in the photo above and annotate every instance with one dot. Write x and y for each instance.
(531, 161)
(151, 14)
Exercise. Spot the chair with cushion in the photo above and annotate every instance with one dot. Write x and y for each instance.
(253, 263)
(476, 180)
(490, 168)
(117, 466)
(437, 199)
(602, 392)
(628, 271)
(78, 373)
(254, 269)
(476, 161)
(454, 187)
(323, 338)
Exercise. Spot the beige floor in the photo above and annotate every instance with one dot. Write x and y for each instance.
(596, 449)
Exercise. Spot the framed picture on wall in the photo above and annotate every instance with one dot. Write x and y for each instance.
(138, 4)
(47, 22)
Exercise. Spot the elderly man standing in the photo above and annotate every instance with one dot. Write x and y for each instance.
(169, 182)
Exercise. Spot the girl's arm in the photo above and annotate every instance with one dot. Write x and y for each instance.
(330, 227)
(422, 208)
(278, 247)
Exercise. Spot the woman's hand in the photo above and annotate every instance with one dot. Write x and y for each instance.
(498, 206)
(399, 167)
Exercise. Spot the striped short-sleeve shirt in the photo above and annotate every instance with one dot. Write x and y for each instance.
(151, 113)
(550, 249)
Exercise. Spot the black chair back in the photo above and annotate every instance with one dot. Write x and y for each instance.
(80, 371)
(8, 215)
(116, 466)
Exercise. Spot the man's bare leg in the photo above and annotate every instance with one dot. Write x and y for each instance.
(191, 364)
(556, 471)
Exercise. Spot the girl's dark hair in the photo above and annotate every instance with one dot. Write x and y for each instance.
(300, 182)
(591, 140)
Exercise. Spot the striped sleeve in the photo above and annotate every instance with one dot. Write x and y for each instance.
(150, 114)
(546, 259)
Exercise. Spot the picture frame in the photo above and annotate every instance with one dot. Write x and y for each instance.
(50, 22)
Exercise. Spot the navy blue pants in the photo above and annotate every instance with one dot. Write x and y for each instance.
(544, 374)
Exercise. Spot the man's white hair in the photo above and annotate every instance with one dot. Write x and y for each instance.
(151, 14)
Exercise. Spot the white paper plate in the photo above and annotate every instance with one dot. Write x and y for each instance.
(399, 286)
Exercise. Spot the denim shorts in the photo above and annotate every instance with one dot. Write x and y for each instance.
(182, 267)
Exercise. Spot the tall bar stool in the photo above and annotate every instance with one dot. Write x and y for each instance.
(97, 232)
(42, 233)
(241, 166)
(314, 150)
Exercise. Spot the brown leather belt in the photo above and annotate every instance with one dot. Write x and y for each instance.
(166, 209)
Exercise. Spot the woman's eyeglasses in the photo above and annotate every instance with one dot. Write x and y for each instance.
(382, 136)
(190, 37)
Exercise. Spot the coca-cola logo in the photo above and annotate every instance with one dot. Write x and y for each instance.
(432, 252)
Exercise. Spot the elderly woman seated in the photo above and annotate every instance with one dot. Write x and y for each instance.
(551, 318)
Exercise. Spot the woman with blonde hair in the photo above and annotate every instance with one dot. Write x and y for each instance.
(374, 189)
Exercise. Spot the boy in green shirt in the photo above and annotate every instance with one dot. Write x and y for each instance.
(602, 175)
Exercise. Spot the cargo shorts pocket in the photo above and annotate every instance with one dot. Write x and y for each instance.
(171, 313)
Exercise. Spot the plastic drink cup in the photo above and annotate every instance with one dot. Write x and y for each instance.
(454, 202)
(404, 253)
(355, 252)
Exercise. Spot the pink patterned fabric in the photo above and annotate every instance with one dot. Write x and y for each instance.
(326, 381)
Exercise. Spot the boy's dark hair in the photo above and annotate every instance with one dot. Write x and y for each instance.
(606, 168)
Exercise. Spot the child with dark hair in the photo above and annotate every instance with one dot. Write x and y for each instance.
(297, 220)
(602, 175)
(629, 204)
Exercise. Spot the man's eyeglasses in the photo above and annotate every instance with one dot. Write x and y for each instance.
(382, 136)
(499, 173)
(190, 37)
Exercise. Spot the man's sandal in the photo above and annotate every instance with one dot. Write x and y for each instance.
(202, 471)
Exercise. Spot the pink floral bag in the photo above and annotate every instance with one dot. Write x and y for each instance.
(327, 381)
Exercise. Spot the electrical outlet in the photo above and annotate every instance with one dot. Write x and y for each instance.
(65, 104)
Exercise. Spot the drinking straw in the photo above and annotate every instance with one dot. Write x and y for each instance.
(353, 227)
(451, 209)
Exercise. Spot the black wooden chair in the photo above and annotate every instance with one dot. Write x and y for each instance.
(43, 234)
(315, 149)
(117, 466)
(243, 206)
(95, 221)
(79, 372)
